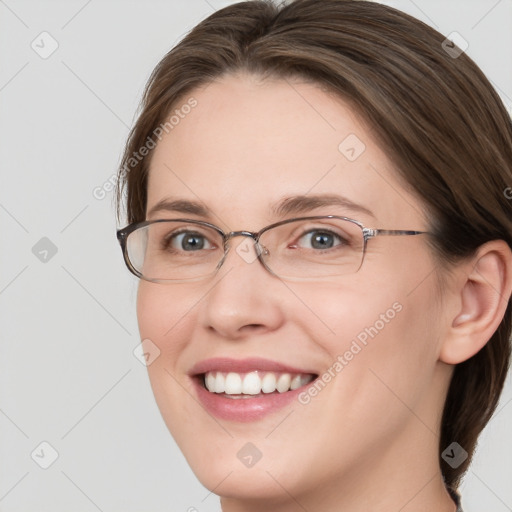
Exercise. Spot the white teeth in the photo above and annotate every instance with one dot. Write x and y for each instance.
(252, 383)
(306, 379)
(210, 381)
(283, 383)
(268, 384)
(232, 384)
(219, 383)
(296, 382)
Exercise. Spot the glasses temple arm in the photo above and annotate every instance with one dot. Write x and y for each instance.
(371, 233)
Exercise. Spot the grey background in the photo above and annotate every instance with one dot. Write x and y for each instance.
(68, 375)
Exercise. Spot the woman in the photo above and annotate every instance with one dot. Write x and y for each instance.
(318, 214)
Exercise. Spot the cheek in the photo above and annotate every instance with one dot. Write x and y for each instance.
(335, 315)
(162, 313)
(382, 340)
(163, 317)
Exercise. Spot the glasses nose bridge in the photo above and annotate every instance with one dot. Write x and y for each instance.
(233, 234)
(258, 249)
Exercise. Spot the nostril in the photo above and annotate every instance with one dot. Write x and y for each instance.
(253, 327)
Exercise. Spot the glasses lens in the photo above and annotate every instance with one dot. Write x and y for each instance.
(303, 249)
(174, 250)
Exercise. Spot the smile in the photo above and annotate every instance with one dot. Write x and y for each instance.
(247, 390)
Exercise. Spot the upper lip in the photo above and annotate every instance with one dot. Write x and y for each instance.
(226, 364)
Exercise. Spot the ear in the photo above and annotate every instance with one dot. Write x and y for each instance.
(482, 294)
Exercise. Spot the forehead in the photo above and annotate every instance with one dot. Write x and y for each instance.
(248, 144)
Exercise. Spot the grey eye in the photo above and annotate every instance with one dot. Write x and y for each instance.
(190, 241)
(320, 239)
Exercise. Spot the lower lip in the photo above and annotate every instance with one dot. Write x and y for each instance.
(244, 409)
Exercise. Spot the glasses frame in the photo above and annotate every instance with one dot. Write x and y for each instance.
(368, 233)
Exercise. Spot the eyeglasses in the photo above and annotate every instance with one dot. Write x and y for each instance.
(307, 248)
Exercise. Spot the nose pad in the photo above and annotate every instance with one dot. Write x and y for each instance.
(262, 250)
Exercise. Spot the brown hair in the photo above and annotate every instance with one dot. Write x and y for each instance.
(437, 118)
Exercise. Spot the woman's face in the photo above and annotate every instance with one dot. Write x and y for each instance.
(370, 339)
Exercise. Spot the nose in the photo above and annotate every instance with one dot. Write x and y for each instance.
(244, 297)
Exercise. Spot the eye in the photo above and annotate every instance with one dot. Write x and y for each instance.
(189, 241)
(320, 239)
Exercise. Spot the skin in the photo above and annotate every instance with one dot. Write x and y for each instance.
(369, 440)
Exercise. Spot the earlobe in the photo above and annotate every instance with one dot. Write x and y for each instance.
(483, 297)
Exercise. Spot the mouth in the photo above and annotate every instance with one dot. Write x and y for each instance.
(247, 390)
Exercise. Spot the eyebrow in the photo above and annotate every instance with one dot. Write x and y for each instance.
(180, 206)
(306, 203)
(287, 206)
